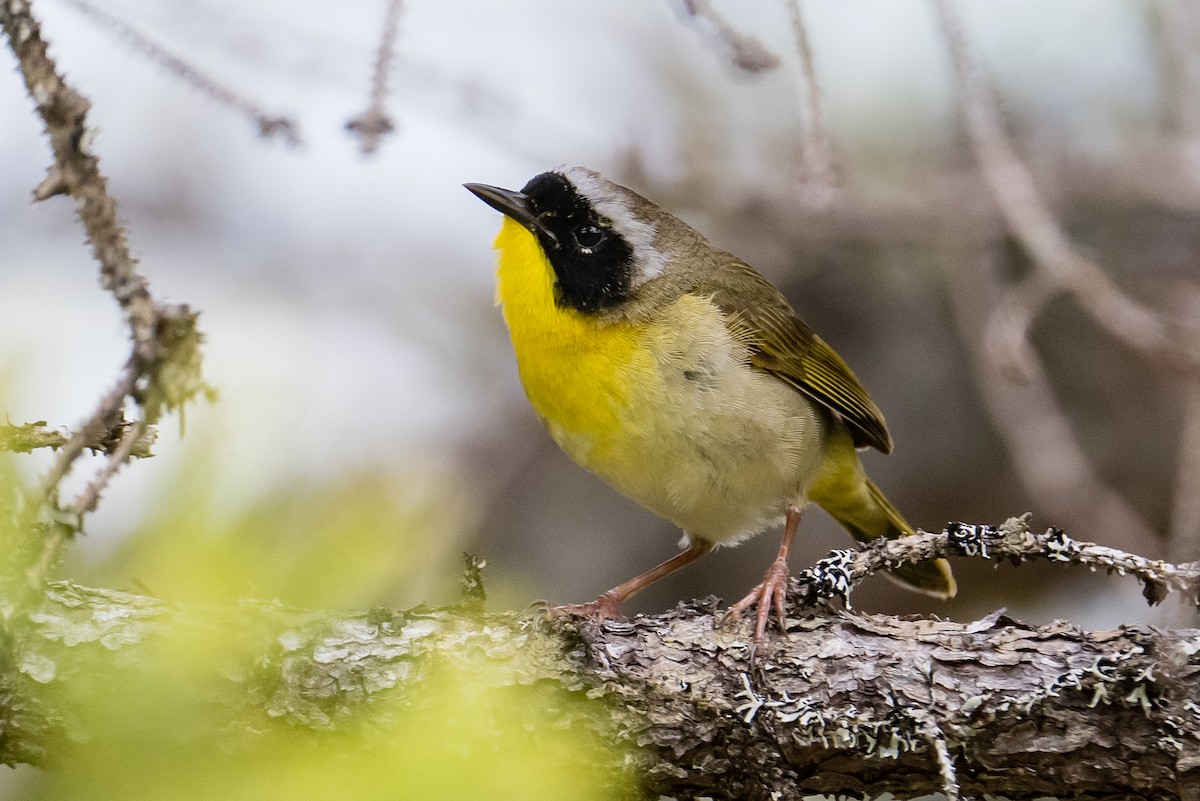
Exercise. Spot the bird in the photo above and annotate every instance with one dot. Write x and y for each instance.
(679, 375)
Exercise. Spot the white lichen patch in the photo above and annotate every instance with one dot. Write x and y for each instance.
(813, 721)
(754, 701)
(1107, 680)
(832, 577)
(970, 540)
(291, 640)
(1141, 698)
(114, 619)
(37, 667)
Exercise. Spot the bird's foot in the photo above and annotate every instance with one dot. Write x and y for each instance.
(772, 592)
(606, 607)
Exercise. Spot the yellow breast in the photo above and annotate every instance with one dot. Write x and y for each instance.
(576, 373)
(669, 412)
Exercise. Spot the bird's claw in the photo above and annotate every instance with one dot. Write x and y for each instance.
(770, 593)
(606, 607)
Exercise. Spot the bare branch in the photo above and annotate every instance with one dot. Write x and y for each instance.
(268, 125)
(163, 368)
(818, 171)
(1179, 27)
(1027, 216)
(76, 172)
(87, 500)
(60, 525)
(56, 537)
(743, 51)
(373, 124)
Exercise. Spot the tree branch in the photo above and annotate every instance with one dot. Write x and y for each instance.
(818, 171)
(268, 125)
(836, 576)
(163, 368)
(375, 123)
(1060, 267)
(743, 51)
(843, 703)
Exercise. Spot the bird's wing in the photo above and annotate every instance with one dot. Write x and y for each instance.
(786, 348)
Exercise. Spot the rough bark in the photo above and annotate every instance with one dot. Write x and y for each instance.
(844, 703)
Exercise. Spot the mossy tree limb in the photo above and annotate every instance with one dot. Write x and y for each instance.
(844, 703)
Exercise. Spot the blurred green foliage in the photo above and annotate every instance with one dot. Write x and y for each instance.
(182, 716)
(157, 739)
(17, 549)
(369, 537)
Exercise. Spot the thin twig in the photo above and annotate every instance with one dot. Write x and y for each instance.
(818, 173)
(163, 369)
(835, 576)
(375, 123)
(77, 172)
(59, 531)
(1179, 29)
(87, 500)
(28, 437)
(743, 51)
(268, 125)
(1030, 221)
(59, 525)
(98, 423)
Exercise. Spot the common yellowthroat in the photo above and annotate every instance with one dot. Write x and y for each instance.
(680, 376)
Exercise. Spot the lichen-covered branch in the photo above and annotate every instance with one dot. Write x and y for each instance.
(843, 702)
(838, 574)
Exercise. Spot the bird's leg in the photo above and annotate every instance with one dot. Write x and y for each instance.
(609, 604)
(773, 589)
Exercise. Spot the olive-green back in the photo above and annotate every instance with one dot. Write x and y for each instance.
(785, 347)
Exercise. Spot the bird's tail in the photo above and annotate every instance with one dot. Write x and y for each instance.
(862, 508)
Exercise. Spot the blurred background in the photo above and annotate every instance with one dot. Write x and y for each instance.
(370, 410)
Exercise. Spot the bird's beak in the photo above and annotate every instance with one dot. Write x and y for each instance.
(513, 204)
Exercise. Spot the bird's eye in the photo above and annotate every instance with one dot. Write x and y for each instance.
(588, 236)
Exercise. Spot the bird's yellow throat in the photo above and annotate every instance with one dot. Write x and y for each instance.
(576, 371)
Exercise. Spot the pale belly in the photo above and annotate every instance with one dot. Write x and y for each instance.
(698, 437)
